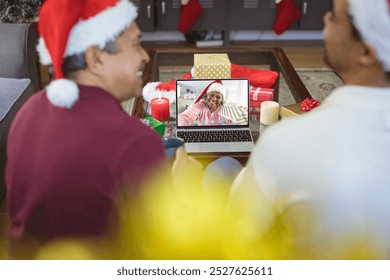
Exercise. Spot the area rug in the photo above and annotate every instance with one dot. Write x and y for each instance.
(320, 82)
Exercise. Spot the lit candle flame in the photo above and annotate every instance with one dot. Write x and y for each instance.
(159, 96)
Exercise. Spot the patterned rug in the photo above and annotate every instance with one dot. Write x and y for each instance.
(320, 82)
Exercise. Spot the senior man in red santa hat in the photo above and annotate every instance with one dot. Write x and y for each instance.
(72, 148)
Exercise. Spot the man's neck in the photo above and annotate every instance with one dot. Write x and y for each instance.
(372, 77)
(85, 78)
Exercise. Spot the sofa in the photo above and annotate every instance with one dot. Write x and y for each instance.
(19, 78)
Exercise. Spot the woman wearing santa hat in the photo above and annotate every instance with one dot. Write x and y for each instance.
(205, 110)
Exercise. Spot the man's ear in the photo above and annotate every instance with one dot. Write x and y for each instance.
(368, 57)
(93, 61)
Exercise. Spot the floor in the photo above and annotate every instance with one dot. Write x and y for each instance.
(303, 54)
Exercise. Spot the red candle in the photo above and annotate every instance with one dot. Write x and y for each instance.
(160, 108)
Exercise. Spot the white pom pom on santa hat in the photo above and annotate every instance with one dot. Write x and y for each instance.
(151, 91)
(63, 93)
(162, 89)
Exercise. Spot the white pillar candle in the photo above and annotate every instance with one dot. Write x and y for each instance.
(269, 112)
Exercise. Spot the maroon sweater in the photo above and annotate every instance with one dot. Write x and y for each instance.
(65, 166)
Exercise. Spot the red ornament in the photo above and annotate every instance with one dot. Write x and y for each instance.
(309, 103)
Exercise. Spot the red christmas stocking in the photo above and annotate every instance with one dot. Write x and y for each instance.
(190, 11)
(287, 14)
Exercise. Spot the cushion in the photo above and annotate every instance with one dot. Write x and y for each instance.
(10, 91)
(18, 53)
(13, 93)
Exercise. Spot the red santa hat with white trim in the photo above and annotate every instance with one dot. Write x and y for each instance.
(69, 27)
(372, 20)
(215, 86)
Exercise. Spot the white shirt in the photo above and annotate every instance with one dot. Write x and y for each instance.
(336, 158)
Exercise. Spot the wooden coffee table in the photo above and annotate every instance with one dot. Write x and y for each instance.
(268, 58)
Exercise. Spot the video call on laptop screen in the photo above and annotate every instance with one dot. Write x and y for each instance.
(200, 102)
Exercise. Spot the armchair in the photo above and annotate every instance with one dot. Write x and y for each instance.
(19, 78)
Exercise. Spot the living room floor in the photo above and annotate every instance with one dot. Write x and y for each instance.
(302, 54)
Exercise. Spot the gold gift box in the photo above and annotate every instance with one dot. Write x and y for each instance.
(212, 66)
(291, 111)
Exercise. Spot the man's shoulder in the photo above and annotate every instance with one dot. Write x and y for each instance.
(32, 106)
(36, 99)
(302, 129)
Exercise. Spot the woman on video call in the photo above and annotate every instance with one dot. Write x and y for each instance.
(205, 110)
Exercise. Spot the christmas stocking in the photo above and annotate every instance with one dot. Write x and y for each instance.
(287, 14)
(190, 11)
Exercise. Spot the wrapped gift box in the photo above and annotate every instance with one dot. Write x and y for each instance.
(258, 95)
(212, 66)
(158, 126)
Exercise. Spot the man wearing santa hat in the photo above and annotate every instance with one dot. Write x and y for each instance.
(333, 163)
(205, 110)
(71, 148)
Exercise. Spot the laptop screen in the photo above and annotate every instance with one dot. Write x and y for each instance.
(210, 102)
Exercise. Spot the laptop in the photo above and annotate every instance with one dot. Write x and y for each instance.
(224, 130)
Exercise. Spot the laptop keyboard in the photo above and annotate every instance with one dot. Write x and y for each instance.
(215, 136)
